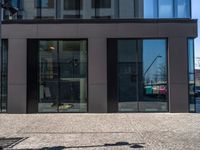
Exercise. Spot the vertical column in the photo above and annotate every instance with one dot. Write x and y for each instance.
(97, 76)
(178, 74)
(17, 76)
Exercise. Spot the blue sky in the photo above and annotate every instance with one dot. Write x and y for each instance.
(196, 15)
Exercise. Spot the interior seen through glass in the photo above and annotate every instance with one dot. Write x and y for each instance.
(63, 76)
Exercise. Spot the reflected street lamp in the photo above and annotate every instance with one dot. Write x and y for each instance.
(152, 64)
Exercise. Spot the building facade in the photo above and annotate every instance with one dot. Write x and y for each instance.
(98, 56)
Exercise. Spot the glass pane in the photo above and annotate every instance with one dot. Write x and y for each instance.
(47, 3)
(127, 75)
(103, 9)
(165, 8)
(191, 56)
(101, 3)
(183, 8)
(30, 9)
(150, 9)
(191, 73)
(63, 76)
(73, 76)
(72, 9)
(4, 76)
(126, 9)
(48, 9)
(48, 75)
(153, 95)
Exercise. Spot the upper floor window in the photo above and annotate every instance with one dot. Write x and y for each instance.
(101, 3)
(73, 4)
(45, 3)
(17, 4)
(165, 8)
(150, 9)
(182, 8)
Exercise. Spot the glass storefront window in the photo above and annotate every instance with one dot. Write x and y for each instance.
(154, 94)
(192, 99)
(3, 76)
(142, 75)
(127, 75)
(63, 76)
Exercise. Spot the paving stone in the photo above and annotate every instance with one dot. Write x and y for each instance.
(148, 131)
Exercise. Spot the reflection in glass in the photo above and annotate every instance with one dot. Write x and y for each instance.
(126, 9)
(100, 9)
(103, 9)
(72, 9)
(127, 75)
(48, 9)
(150, 9)
(192, 99)
(3, 76)
(165, 8)
(63, 76)
(142, 76)
(182, 8)
(154, 96)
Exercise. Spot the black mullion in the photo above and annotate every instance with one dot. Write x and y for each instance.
(56, 9)
(134, 3)
(174, 9)
(95, 8)
(112, 75)
(137, 75)
(58, 80)
(40, 9)
(118, 7)
(79, 8)
(1, 76)
(157, 11)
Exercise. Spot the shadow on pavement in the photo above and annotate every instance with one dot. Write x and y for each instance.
(130, 145)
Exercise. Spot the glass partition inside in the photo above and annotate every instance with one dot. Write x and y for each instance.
(62, 76)
(3, 76)
(100, 9)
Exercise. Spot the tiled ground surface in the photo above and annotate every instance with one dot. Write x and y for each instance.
(103, 131)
